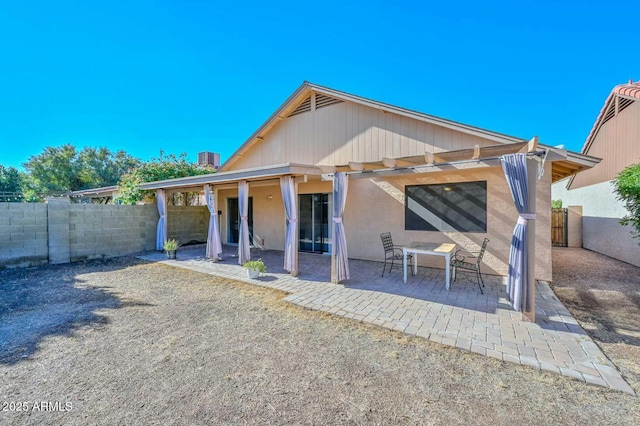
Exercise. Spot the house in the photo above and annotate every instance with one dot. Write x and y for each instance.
(420, 177)
(615, 137)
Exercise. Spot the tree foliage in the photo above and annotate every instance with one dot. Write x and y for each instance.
(161, 168)
(63, 168)
(627, 189)
(10, 184)
(556, 204)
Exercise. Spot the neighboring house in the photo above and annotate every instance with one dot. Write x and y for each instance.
(103, 195)
(615, 137)
(420, 177)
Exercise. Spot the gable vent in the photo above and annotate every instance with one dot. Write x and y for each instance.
(611, 112)
(305, 106)
(324, 101)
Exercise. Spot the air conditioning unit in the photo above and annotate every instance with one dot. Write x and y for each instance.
(210, 159)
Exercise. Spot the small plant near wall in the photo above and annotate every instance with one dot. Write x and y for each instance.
(255, 268)
(627, 188)
(171, 247)
(556, 204)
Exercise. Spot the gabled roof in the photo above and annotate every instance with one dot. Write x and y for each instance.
(306, 88)
(620, 97)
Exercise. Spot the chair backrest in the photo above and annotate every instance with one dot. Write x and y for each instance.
(387, 242)
(482, 250)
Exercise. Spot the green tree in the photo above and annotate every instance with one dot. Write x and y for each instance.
(62, 169)
(627, 189)
(10, 184)
(161, 168)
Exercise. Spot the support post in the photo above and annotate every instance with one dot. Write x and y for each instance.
(294, 273)
(529, 314)
(215, 203)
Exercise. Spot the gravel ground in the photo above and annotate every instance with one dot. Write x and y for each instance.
(603, 294)
(128, 342)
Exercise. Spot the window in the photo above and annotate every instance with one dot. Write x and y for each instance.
(446, 207)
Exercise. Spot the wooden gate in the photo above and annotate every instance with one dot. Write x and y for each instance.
(559, 227)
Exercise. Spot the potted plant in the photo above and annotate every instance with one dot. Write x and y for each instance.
(255, 268)
(171, 247)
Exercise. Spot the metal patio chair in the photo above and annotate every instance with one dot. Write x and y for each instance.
(470, 262)
(393, 253)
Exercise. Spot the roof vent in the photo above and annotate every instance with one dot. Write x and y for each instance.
(209, 159)
(611, 110)
(305, 106)
(324, 101)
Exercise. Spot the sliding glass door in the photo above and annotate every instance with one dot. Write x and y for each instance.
(234, 220)
(313, 221)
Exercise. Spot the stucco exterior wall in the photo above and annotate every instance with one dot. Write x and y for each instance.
(601, 214)
(376, 205)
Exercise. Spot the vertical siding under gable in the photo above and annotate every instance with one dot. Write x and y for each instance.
(617, 143)
(343, 132)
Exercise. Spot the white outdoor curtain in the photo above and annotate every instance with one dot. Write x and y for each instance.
(515, 170)
(244, 253)
(214, 246)
(161, 233)
(288, 188)
(339, 246)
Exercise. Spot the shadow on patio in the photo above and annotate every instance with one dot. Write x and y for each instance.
(428, 284)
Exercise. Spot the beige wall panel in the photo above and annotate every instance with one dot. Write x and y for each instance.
(268, 215)
(344, 132)
(617, 143)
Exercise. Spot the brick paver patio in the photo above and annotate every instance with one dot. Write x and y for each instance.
(461, 317)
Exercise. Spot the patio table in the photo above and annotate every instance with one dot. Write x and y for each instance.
(435, 249)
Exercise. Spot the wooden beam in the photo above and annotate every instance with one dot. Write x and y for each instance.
(358, 167)
(476, 152)
(327, 169)
(428, 157)
(389, 162)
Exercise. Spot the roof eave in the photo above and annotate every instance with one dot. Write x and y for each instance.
(257, 173)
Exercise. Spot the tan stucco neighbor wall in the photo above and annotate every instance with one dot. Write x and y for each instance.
(376, 205)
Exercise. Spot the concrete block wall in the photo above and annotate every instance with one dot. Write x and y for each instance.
(60, 232)
(187, 223)
(23, 234)
(97, 230)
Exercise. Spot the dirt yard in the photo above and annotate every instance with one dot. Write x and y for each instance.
(603, 294)
(127, 342)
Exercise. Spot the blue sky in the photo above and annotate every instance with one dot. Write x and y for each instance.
(186, 76)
